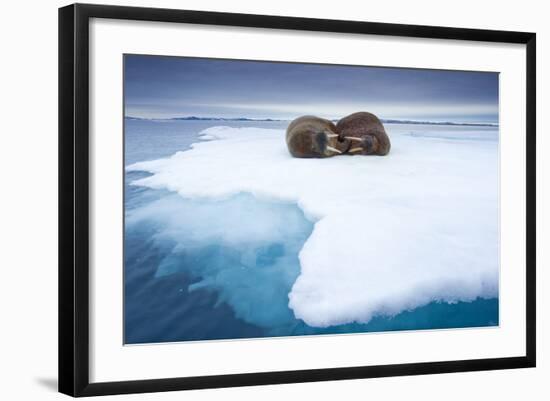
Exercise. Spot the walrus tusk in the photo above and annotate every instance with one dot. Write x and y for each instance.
(354, 138)
(333, 149)
(332, 135)
(355, 150)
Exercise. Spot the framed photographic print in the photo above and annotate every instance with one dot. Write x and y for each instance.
(249, 199)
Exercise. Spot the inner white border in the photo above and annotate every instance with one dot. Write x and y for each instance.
(111, 361)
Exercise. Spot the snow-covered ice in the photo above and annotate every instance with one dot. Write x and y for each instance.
(391, 233)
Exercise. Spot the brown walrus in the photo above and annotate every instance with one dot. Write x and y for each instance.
(366, 133)
(310, 136)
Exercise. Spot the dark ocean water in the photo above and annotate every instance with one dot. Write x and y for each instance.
(187, 278)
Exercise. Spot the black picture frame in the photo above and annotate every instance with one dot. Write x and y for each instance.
(74, 198)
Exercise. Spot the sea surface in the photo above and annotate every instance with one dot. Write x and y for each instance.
(201, 269)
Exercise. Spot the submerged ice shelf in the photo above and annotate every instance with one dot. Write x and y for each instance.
(391, 233)
(243, 250)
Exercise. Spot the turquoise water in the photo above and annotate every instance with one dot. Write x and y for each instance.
(199, 269)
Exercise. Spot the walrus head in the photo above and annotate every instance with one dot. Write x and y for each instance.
(366, 145)
(311, 136)
(326, 143)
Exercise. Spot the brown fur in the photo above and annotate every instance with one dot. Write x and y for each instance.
(369, 128)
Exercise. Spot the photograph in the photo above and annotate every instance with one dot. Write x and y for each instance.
(280, 199)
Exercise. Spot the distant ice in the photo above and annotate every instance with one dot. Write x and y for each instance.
(391, 233)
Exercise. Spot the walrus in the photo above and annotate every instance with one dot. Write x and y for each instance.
(366, 133)
(310, 136)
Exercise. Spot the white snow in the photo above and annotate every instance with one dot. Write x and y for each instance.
(392, 233)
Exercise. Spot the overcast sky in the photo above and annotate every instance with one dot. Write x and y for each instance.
(163, 87)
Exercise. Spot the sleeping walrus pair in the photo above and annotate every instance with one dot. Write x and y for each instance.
(357, 134)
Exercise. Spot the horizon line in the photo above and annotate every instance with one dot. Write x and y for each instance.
(383, 120)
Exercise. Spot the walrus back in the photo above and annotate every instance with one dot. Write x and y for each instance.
(360, 123)
(299, 120)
